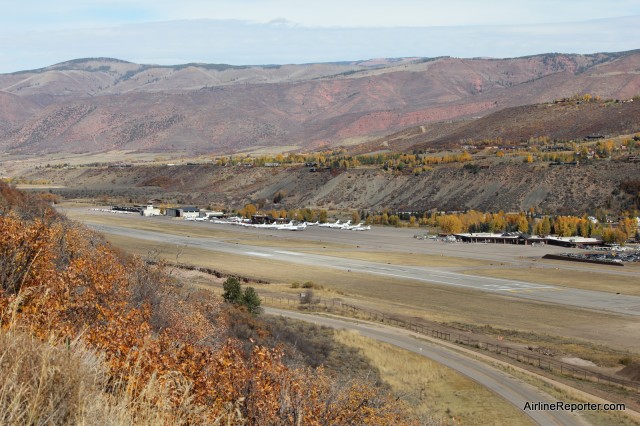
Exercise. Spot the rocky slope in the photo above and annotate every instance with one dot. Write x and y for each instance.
(507, 185)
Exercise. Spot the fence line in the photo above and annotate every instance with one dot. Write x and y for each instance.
(543, 363)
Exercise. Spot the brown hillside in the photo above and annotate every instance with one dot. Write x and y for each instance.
(563, 121)
(149, 339)
(14, 110)
(94, 105)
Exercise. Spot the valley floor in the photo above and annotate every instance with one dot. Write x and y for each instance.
(387, 270)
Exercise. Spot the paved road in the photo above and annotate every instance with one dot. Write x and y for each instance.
(601, 301)
(513, 390)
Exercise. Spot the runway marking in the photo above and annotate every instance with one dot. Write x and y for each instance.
(291, 253)
(515, 287)
(533, 290)
(253, 253)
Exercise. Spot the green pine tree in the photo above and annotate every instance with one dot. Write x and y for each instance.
(232, 291)
(251, 300)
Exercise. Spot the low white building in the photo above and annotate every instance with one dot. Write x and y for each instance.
(187, 213)
(208, 214)
(149, 210)
(184, 212)
(574, 241)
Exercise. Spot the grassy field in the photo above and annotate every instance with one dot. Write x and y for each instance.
(602, 355)
(595, 418)
(411, 299)
(24, 164)
(433, 390)
(409, 259)
(408, 298)
(598, 281)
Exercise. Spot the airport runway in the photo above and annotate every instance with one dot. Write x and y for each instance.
(600, 301)
(513, 390)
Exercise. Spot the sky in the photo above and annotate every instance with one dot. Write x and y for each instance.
(38, 33)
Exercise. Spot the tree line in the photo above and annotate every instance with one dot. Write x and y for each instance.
(535, 149)
(474, 221)
(526, 222)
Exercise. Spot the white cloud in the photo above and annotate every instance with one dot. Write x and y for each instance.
(281, 31)
(395, 13)
(326, 13)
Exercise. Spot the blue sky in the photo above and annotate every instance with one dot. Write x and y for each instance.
(37, 33)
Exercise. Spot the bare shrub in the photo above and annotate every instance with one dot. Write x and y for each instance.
(306, 297)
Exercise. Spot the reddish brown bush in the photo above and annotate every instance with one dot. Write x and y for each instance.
(57, 278)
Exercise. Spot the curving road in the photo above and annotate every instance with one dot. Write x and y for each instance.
(513, 390)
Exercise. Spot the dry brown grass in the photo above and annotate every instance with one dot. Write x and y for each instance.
(254, 267)
(608, 418)
(42, 383)
(408, 259)
(412, 298)
(409, 298)
(597, 281)
(432, 389)
(595, 418)
(599, 354)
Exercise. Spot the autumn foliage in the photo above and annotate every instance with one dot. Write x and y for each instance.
(60, 281)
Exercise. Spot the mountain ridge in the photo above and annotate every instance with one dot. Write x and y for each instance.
(96, 104)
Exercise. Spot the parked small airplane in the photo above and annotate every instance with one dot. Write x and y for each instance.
(359, 227)
(330, 225)
(292, 227)
(339, 225)
(346, 226)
